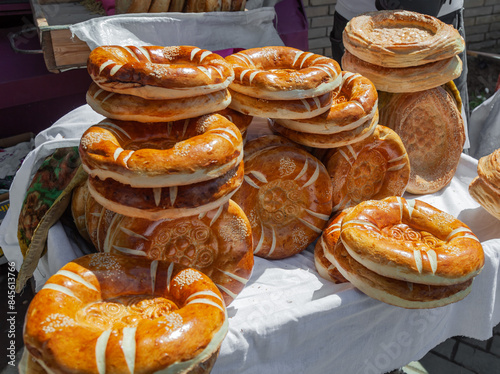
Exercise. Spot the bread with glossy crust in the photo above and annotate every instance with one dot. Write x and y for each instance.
(432, 130)
(217, 243)
(158, 73)
(412, 241)
(286, 195)
(161, 154)
(400, 38)
(134, 108)
(166, 202)
(405, 79)
(106, 312)
(283, 73)
(337, 139)
(324, 249)
(373, 168)
(292, 109)
(399, 293)
(485, 188)
(353, 104)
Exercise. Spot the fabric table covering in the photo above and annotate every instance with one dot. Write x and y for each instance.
(288, 319)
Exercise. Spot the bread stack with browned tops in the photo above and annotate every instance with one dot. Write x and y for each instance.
(175, 250)
(403, 252)
(409, 57)
(485, 188)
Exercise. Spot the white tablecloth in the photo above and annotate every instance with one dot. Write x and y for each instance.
(288, 319)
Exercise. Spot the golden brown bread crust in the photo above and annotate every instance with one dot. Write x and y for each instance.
(396, 292)
(353, 104)
(97, 221)
(485, 188)
(266, 141)
(412, 241)
(400, 38)
(157, 73)
(431, 128)
(217, 243)
(488, 168)
(486, 195)
(134, 108)
(159, 6)
(168, 202)
(242, 121)
(161, 154)
(373, 168)
(78, 205)
(286, 195)
(324, 249)
(283, 73)
(405, 79)
(338, 139)
(293, 109)
(107, 312)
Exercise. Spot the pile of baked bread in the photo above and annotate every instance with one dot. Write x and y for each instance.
(412, 59)
(177, 203)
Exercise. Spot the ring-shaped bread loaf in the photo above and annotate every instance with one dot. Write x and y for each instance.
(157, 73)
(406, 79)
(355, 103)
(286, 194)
(107, 313)
(134, 108)
(412, 241)
(371, 169)
(325, 244)
(217, 243)
(401, 38)
(293, 109)
(334, 140)
(283, 73)
(400, 293)
(161, 154)
(166, 202)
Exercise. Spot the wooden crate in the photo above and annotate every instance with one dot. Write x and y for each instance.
(53, 19)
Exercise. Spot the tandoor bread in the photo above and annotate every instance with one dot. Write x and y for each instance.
(373, 168)
(399, 38)
(287, 197)
(485, 188)
(405, 79)
(431, 128)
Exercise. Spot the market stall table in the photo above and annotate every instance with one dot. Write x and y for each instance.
(289, 319)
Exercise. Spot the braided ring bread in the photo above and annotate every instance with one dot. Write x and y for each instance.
(411, 241)
(400, 38)
(134, 108)
(283, 73)
(352, 106)
(334, 140)
(300, 108)
(168, 202)
(157, 73)
(324, 246)
(396, 292)
(107, 313)
(161, 154)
